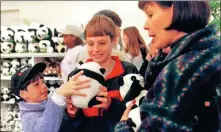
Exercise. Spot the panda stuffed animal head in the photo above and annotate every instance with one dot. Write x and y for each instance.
(7, 47)
(45, 32)
(15, 63)
(24, 62)
(7, 35)
(95, 73)
(46, 46)
(33, 47)
(19, 36)
(21, 47)
(132, 88)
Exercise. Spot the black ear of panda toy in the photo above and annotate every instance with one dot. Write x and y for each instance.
(95, 73)
(132, 88)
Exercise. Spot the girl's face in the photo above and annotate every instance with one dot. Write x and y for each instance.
(159, 18)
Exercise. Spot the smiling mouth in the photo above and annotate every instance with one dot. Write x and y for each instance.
(97, 55)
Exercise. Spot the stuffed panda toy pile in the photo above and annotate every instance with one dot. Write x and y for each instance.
(19, 38)
(132, 88)
(7, 95)
(93, 71)
(7, 47)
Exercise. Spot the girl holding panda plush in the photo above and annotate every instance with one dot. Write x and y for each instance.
(100, 34)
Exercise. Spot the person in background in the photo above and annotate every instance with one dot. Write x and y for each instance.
(40, 113)
(72, 39)
(184, 94)
(101, 36)
(134, 46)
(83, 56)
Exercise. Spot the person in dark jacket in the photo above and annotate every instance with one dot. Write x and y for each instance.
(184, 94)
(100, 34)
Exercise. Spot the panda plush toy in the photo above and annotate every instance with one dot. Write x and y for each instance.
(7, 35)
(33, 47)
(7, 47)
(24, 62)
(132, 88)
(5, 94)
(21, 47)
(93, 71)
(15, 63)
(60, 47)
(46, 46)
(44, 32)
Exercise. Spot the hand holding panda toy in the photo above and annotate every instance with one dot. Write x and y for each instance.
(132, 89)
(95, 73)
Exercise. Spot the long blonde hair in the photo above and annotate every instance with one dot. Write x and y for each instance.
(135, 43)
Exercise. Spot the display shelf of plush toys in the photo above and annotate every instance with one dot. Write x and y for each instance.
(24, 55)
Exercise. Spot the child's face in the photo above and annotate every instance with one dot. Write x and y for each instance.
(36, 92)
(99, 48)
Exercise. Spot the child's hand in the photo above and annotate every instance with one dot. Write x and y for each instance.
(105, 100)
(127, 111)
(73, 85)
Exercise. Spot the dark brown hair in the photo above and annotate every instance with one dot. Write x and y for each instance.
(100, 25)
(112, 15)
(136, 42)
(188, 16)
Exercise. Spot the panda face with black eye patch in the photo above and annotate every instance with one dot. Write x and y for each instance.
(44, 33)
(33, 47)
(21, 48)
(15, 63)
(95, 73)
(7, 35)
(20, 36)
(130, 86)
(7, 47)
(32, 35)
(24, 62)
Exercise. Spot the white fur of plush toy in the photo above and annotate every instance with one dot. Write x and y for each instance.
(7, 47)
(21, 47)
(19, 36)
(6, 63)
(12, 71)
(30, 62)
(92, 71)
(24, 62)
(33, 47)
(46, 46)
(15, 63)
(132, 88)
(5, 94)
(45, 32)
(7, 35)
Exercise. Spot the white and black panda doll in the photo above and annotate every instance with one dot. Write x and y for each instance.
(7, 35)
(44, 32)
(19, 36)
(93, 71)
(6, 63)
(5, 94)
(15, 63)
(24, 62)
(132, 88)
(46, 46)
(33, 47)
(21, 47)
(7, 47)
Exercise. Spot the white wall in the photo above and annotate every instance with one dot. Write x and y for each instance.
(61, 13)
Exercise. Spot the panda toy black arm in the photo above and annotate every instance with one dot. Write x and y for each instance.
(117, 107)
